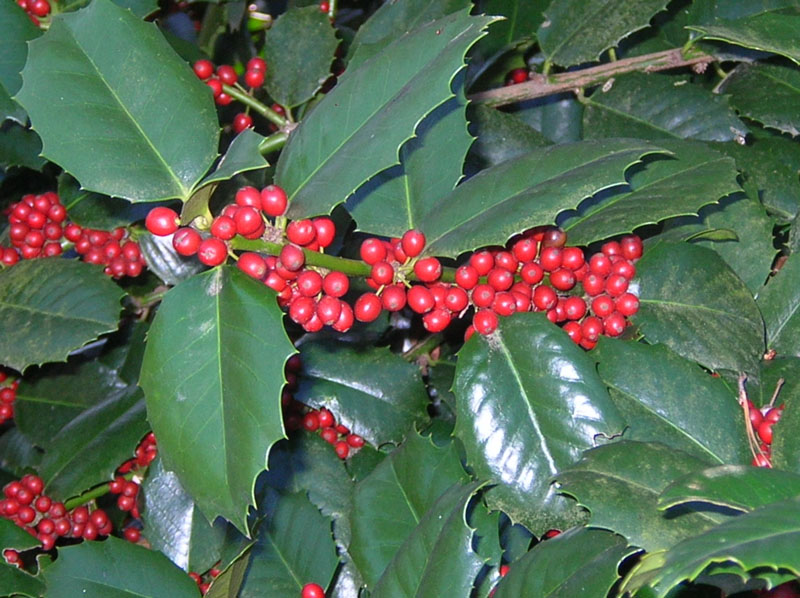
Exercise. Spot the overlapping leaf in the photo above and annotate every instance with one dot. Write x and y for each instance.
(780, 304)
(693, 176)
(214, 411)
(20, 147)
(692, 301)
(121, 126)
(50, 307)
(785, 442)
(357, 130)
(93, 210)
(653, 106)
(243, 155)
(746, 86)
(17, 30)
(665, 398)
(769, 32)
(527, 191)
(529, 401)
(522, 19)
(500, 136)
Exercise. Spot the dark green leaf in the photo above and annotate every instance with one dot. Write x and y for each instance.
(243, 155)
(653, 106)
(299, 50)
(529, 402)
(522, 19)
(174, 525)
(94, 210)
(371, 112)
(14, 536)
(767, 537)
(580, 30)
(739, 487)
(579, 562)
(20, 147)
(228, 583)
(486, 541)
(17, 30)
(164, 261)
(620, 484)
(293, 547)
(527, 191)
(786, 442)
(140, 8)
(692, 301)
(375, 393)
(769, 32)
(501, 136)
(397, 199)
(780, 304)
(703, 12)
(747, 84)
(10, 110)
(15, 582)
(666, 398)
(693, 176)
(115, 568)
(214, 413)
(50, 307)
(390, 502)
(127, 141)
(89, 449)
(17, 453)
(437, 558)
(559, 118)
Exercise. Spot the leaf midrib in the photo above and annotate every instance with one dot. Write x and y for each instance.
(50, 314)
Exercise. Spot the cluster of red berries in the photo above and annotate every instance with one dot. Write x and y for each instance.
(47, 520)
(519, 75)
(225, 74)
(204, 581)
(8, 396)
(36, 9)
(38, 223)
(127, 491)
(145, 453)
(761, 421)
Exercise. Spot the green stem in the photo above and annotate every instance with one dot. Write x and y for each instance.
(612, 54)
(273, 143)
(92, 494)
(257, 106)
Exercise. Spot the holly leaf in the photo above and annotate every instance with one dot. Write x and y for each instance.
(175, 526)
(739, 487)
(228, 583)
(769, 32)
(243, 155)
(577, 31)
(96, 569)
(622, 495)
(527, 191)
(164, 261)
(299, 49)
(680, 184)
(779, 302)
(437, 558)
(580, 561)
(523, 415)
(18, 455)
(94, 210)
(522, 19)
(293, 547)
(653, 106)
(500, 136)
(785, 443)
(374, 392)
(20, 147)
(665, 398)
(18, 583)
(692, 301)
(127, 141)
(371, 112)
(215, 415)
(390, 502)
(17, 30)
(50, 307)
(783, 83)
(14, 536)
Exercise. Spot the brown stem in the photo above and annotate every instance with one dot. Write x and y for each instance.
(542, 86)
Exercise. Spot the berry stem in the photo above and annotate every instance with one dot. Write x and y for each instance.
(257, 106)
(331, 9)
(273, 143)
(95, 492)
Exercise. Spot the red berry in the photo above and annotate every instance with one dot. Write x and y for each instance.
(248, 221)
(292, 258)
(500, 279)
(226, 74)
(324, 6)
(624, 268)
(600, 264)
(573, 329)
(420, 299)
(504, 304)
(485, 321)
(456, 299)
(611, 248)
(301, 232)
(591, 329)
(631, 247)
(616, 285)
(627, 304)
(532, 273)
(326, 231)
(466, 277)
(382, 273)
(506, 261)
(572, 258)
(525, 250)
(302, 309)
(335, 284)
(355, 440)
(614, 324)
(254, 78)
(593, 284)
(342, 449)
(765, 431)
(132, 534)
(33, 483)
(212, 252)
(223, 227)
(550, 258)
(273, 200)
(519, 75)
(186, 241)
(603, 306)
(309, 283)
(428, 269)
(413, 242)
(253, 265)
(368, 307)
(40, 8)
(326, 419)
(312, 590)
(436, 320)
(544, 298)
(161, 221)
(483, 295)
(373, 251)
(346, 319)
(203, 69)
(562, 279)
(329, 309)
(574, 308)
(482, 261)
(256, 63)
(42, 504)
(393, 297)
(241, 122)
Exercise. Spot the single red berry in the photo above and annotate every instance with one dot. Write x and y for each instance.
(326, 419)
(342, 449)
(631, 247)
(544, 298)
(302, 309)
(212, 252)
(355, 441)
(573, 330)
(550, 258)
(572, 258)
(248, 221)
(241, 122)
(292, 258)
(504, 304)
(413, 242)
(324, 6)
(393, 297)
(26, 514)
(562, 279)
(368, 307)
(627, 304)
(506, 261)
(42, 504)
(33, 483)
(253, 265)
(382, 273)
(132, 534)
(600, 264)
(532, 273)
(254, 78)
(574, 308)
(614, 324)
(372, 251)
(436, 320)
(226, 74)
(519, 75)
(483, 295)
(482, 261)
(203, 69)
(603, 305)
(311, 421)
(326, 231)
(765, 431)
(593, 284)
(161, 221)
(616, 285)
(186, 241)
(256, 63)
(312, 590)
(335, 284)
(773, 415)
(309, 283)
(428, 269)
(456, 299)
(525, 250)
(624, 268)
(301, 232)
(611, 248)
(500, 279)
(591, 329)
(485, 321)
(420, 299)
(273, 200)
(329, 309)
(223, 227)
(466, 277)
(346, 319)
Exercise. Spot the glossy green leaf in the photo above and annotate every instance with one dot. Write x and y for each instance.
(17, 453)
(127, 141)
(620, 484)
(527, 191)
(50, 307)
(769, 32)
(750, 252)
(779, 302)
(89, 449)
(692, 301)
(500, 136)
(14, 536)
(577, 31)
(10, 110)
(746, 87)
(374, 392)
(579, 562)
(174, 526)
(529, 402)
(164, 261)
(15, 582)
(243, 155)
(94, 210)
(299, 50)
(740, 487)
(703, 12)
(371, 112)
(293, 547)
(397, 199)
(653, 106)
(767, 537)
(395, 19)
(140, 8)
(559, 117)
(115, 568)
(678, 185)
(216, 415)
(389, 503)
(437, 558)
(228, 583)
(17, 30)
(666, 398)
(785, 442)
(522, 19)
(20, 147)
